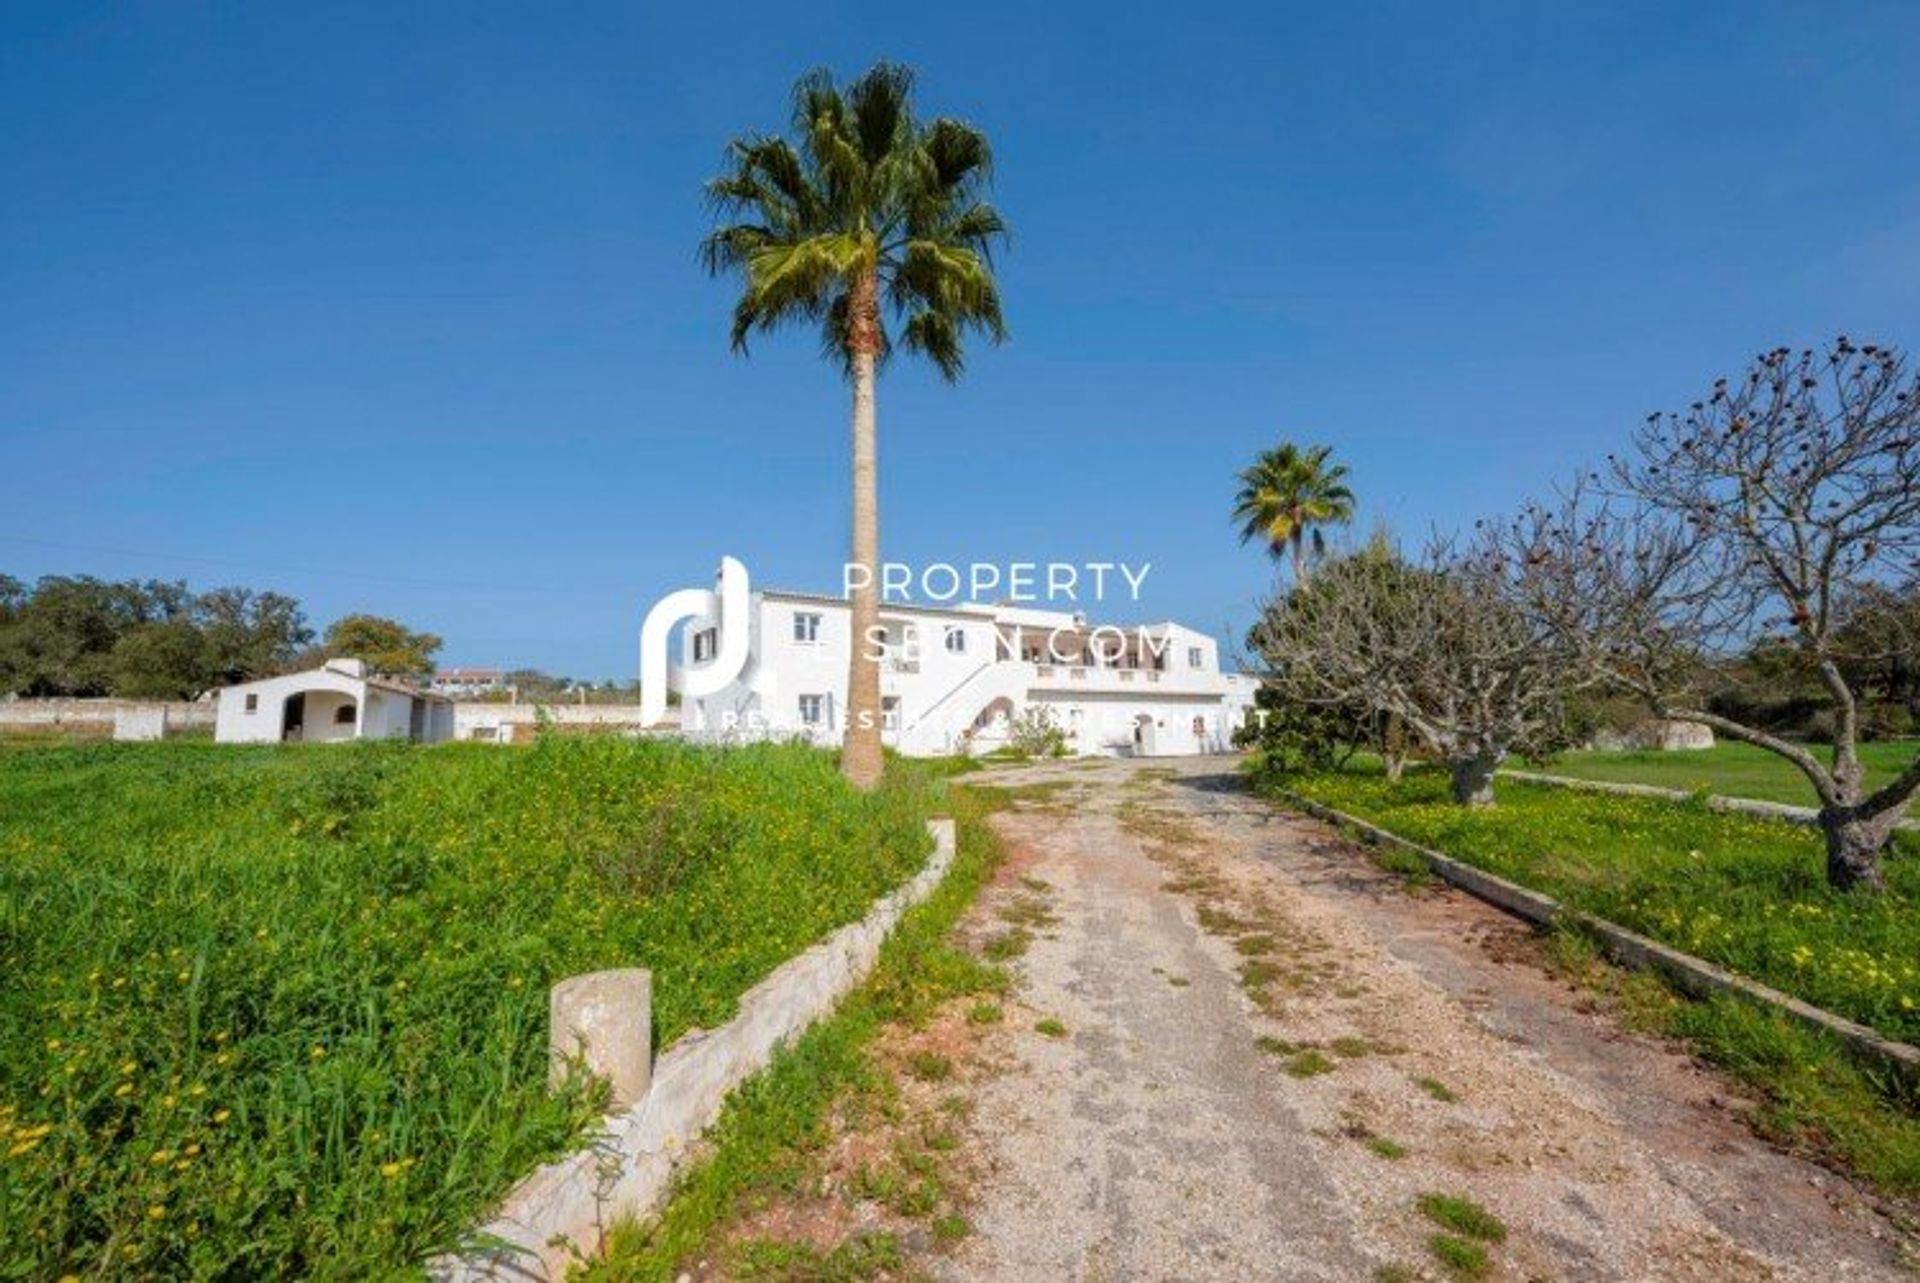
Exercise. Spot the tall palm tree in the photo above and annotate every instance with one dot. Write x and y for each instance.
(867, 218)
(1286, 496)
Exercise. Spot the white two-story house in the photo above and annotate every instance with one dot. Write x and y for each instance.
(959, 679)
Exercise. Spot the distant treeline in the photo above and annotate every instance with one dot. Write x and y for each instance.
(155, 639)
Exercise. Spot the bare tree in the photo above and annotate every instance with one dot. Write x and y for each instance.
(1437, 648)
(1774, 512)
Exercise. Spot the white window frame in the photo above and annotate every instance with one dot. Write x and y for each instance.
(956, 640)
(813, 710)
(706, 644)
(806, 627)
(1196, 657)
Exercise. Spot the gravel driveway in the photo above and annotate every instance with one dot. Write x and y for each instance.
(1272, 1052)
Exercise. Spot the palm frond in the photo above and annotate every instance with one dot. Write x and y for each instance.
(882, 119)
(936, 336)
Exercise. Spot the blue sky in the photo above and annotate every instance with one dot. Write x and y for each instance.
(395, 308)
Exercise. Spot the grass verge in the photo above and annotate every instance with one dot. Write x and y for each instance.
(1744, 892)
(769, 1127)
(1815, 1099)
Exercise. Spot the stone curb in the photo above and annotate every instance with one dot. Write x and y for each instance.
(1694, 976)
(563, 1210)
(1806, 815)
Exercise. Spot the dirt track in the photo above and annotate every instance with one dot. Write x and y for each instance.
(1257, 1019)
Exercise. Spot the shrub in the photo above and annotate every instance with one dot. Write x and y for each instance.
(1036, 733)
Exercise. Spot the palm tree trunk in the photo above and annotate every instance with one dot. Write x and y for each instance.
(860, 758)
(1299, 557)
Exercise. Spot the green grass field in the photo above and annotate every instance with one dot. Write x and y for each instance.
(282, 1011)
(1726, 769)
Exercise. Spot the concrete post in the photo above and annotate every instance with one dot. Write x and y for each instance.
(605, 1020)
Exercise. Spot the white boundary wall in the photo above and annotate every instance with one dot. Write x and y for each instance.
(98, 714)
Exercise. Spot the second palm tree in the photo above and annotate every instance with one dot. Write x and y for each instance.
(1286, 496)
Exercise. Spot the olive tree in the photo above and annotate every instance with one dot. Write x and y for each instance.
(1436, 648)
(1772, 513)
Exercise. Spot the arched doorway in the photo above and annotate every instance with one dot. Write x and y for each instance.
(992, 726)
(293, 718)
(1144, 740)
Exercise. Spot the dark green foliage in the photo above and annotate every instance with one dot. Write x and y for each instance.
(82, 636)
(386, 645)
(1298, 736)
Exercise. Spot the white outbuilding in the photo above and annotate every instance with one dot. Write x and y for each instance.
(334, 702)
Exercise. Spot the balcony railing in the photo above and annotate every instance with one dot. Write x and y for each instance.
(1103, 675)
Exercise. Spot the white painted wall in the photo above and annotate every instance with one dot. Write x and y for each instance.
(138, 724)
(387, 715)
(322, 721)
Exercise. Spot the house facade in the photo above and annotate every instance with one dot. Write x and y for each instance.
(337, 701)
(960, 679)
